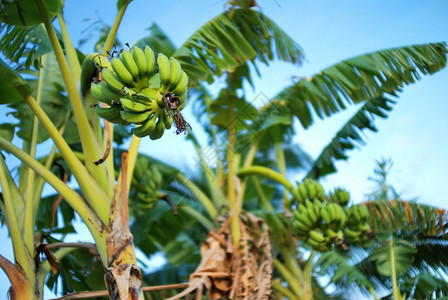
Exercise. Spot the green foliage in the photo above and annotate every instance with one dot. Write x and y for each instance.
(26, 12)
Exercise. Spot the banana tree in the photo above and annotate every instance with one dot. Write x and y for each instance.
(109, 85)
(409, 259)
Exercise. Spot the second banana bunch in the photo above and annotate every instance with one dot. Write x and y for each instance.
(326, 221)
(139, 88)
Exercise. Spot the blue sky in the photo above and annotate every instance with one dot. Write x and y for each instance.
(415, 136)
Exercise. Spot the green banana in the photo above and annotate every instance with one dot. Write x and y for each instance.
(108, 92)
(156, 176)
(316, 236)
(130, 105)
(182, 85)
(167, 120)
(146, 128)
(164, 72)
(95, 90)
(140, 60)
(112, 80)
(150, 60)
(135, 117)
(129, 62)
(301, 226)
(91, 67)
(158, 131)
(152, 94)
(311, 189)
(302, 192)
(122, 72)
(175, 73)
(110, 114)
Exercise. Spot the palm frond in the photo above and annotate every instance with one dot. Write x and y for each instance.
(22, 45)
(230, 40)
(407, 217)
(362, 78)
(349, 136)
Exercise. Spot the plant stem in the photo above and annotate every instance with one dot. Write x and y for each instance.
(70, 51)
(88, 140)
(235, 211)
(280, 155)
(198, 216)
(114, 29)
(268, 173)
(212, 180)
(132, 157)
(20, 254)
(94, 194)
(196, 191)
(293, 283)
(261, 194)
(307, 279)
(89, 217)
(396, 290)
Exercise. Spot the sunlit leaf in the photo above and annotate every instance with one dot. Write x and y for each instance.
(26, 12)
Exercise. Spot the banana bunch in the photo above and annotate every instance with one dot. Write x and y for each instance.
(319, 241)
(358, 228)
(309, 189)
(340, 196)
(141, 90)
(146, 182)
(307, 217)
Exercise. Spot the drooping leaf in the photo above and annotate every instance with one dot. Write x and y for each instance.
(362, 78)
(342, 272)
(349, 136)
(22, 45)
(226, 42)
(9, 80)
(53, 102)
(26, 12)
(7, 131)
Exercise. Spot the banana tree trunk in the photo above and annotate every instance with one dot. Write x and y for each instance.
(123, 278)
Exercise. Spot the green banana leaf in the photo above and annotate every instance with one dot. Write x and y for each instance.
(26, 12)
(366, 78)
(226, 42)
(157, 40)
(10, 79)
(396, 254)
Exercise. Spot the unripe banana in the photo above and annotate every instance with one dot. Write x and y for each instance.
(112, 80)
(135, 117)
(91, 67)
(146, 128)
(164, 72)
(302, 192)
(108, 92)
(95, 90)
(140, 60)
(129, 62)
(181, 87)
(303, 227)
(152, 94)
(157, 177)
(175, 73)
(121, 71)
(130, 105)
(150, 60)
(158, 131)
(167, 120)
(311, 189)
(316, 236)
(111, 114)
